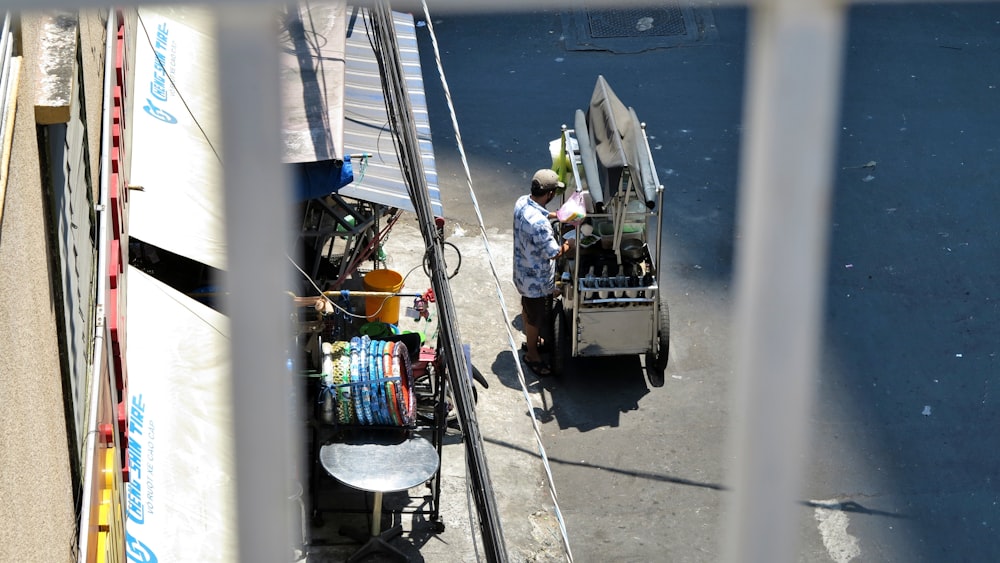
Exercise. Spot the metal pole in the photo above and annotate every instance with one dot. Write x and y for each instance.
(257, 204)
(793, 94)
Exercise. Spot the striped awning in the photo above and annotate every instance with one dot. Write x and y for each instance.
(334, 107)
(366, 122)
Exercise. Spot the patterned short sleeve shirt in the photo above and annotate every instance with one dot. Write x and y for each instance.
(535, 247)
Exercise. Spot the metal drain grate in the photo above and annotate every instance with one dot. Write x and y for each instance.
(663, 21)
(670, 23)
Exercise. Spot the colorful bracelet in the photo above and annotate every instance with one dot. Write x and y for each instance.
(366, 386)
(406, 379)
(391, 384)
(342, 380)
(383, 395)
(370, 382)
(326, 364)
(356, 379)
(375, 377)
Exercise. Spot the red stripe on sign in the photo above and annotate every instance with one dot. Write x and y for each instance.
(118, 208)
(121, 371)
(107, 433)
(116, 320)
(115, 263)
(123, 414)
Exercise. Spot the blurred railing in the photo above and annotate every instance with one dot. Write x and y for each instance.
(792, 94)
(10, 67)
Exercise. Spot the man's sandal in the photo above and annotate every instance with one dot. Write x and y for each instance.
(543, 346)
(541, 368)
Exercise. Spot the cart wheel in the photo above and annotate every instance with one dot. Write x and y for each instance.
(560, 338)
(656, 364)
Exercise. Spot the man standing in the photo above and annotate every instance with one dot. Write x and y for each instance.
(535, 251)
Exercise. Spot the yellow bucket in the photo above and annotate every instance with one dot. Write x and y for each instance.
(383, 308)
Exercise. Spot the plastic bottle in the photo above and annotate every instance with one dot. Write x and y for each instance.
(647, 280)
(621, 280)
(604, 281)
(641, 276)
(633, 280)
(589, 283)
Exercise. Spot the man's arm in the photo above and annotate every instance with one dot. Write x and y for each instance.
(563, 249)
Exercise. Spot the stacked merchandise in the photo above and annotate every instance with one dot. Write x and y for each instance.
(367, 382)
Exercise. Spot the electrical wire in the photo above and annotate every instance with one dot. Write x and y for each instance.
(496, 276)
(323, 294)
(386, 48)
(458, 266)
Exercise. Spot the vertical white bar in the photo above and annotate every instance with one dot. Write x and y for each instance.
(258, 212)
(793, 94)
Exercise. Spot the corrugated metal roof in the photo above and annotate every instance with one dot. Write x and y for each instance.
(366, 122)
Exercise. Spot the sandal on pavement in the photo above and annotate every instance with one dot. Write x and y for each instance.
(540, 368)
(543, 346)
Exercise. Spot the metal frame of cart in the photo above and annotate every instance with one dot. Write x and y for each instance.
(611, 300)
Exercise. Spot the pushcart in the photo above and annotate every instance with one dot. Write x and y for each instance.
(611, 300)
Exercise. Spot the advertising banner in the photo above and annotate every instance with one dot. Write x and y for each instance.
(180, 499)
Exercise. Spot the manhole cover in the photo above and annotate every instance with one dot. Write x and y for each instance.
(667, 21)
(637, 28)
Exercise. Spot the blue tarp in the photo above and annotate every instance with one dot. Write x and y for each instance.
(313, 180)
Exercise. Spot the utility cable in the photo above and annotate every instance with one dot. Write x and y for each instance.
(400, 111)
(496, 277)
(323, 294)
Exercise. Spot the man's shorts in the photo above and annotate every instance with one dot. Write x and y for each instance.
(535, 310)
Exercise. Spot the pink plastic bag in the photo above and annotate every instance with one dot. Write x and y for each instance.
(573, 211)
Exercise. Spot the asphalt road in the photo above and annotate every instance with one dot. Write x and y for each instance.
(903, 467)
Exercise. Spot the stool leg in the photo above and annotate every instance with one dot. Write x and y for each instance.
(379, 544)
(377, 515)
(379, 540)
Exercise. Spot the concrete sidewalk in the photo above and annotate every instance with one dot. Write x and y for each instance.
(531, 529)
